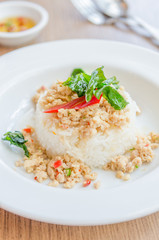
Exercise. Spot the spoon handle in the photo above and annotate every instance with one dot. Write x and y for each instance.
(154, 32)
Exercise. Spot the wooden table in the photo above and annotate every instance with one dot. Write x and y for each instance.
(65, 22)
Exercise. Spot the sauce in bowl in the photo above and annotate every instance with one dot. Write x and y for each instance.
(16, 24)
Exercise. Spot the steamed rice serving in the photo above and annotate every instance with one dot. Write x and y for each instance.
(84, 123)
(109, 132)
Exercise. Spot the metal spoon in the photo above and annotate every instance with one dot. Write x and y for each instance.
(119, 9)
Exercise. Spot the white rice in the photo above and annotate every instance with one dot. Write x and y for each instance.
(95, 151)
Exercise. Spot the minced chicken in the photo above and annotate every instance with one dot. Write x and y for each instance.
(89, 120)
(67, 170)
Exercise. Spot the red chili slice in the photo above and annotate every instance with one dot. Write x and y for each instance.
(57, 164)
(84, 104)
(65, 105)
(76, 104)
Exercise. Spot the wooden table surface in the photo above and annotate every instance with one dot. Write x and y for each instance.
(65, 23)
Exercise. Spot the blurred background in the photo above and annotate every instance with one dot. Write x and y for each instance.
(66, 22)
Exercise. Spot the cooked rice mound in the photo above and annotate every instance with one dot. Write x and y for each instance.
(93, 135)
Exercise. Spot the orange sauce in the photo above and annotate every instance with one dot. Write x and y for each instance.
(16, 24)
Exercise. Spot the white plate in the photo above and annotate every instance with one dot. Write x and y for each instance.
(22, 72)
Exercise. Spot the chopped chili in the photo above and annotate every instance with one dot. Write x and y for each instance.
(68, 172)
(65, 105)
(86, 183)
(27, 130)
(57, 164)
(57, 174)
(43, 88)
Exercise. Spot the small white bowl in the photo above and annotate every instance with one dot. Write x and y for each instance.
(24, 9)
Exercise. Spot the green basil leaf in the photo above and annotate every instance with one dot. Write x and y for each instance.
(17, 139)
(110, 81)
(98, 93)
(26, 152)
(97, 77)
(76, 71)
(78, 84)
(115, 99)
